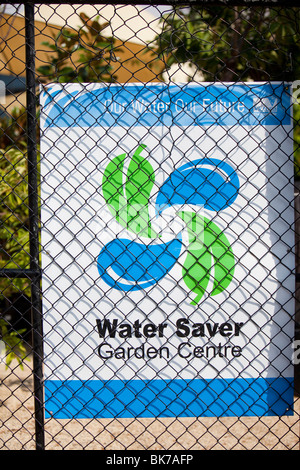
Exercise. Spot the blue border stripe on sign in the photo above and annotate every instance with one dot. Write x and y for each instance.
(166, 105)
(158, 398)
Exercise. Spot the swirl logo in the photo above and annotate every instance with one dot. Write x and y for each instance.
(127, 265)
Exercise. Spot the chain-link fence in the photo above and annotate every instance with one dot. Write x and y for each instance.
(149, 226)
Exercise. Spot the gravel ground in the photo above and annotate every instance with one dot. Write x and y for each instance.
(17, 427)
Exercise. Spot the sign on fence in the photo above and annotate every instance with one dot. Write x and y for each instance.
(167, 264)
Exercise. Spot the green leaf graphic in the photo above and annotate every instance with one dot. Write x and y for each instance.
(112, 186)
(223, 256)
(129, 202)
(139, 183)
(197, 265)
(209, 251)
(140, 179)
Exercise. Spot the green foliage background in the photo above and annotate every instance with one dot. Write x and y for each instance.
(79, 56)
(232, 43)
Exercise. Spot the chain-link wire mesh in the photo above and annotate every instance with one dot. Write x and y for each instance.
(159, 205)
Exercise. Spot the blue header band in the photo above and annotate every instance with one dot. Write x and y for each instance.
(165, 105)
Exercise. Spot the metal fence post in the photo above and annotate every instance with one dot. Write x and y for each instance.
(34, 226)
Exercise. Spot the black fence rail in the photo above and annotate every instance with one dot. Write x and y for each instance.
(149, 158)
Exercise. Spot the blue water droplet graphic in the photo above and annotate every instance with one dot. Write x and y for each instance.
(206, 182)
(127, 265)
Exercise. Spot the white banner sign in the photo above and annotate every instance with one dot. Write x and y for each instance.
(167, 228)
